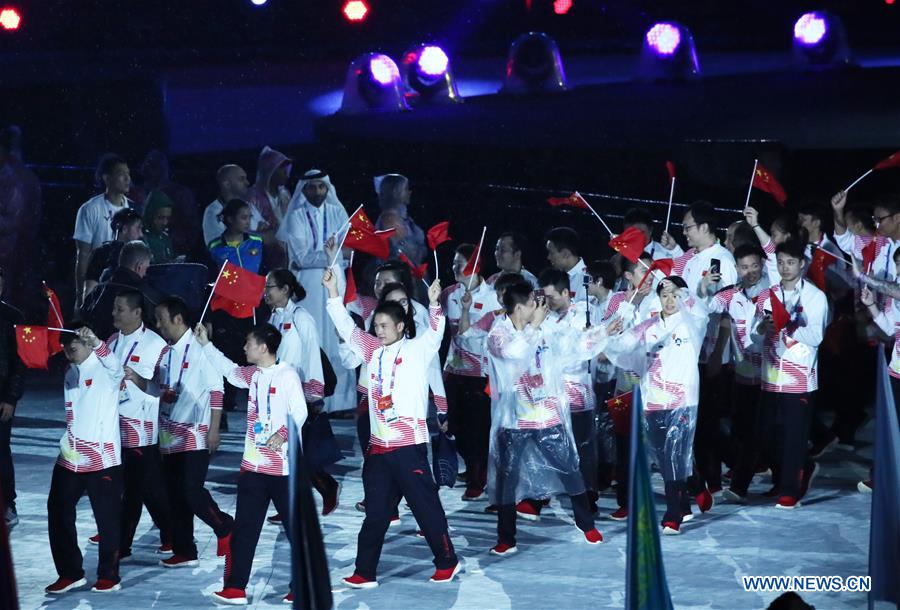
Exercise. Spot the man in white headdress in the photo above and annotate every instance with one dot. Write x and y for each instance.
(314, 216)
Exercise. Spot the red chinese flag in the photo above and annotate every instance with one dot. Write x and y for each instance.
(376, 243)
(360, 220)
(630, 243)
(574, 200)
(670, 168)
(619, 409)
(418, 272)
(54, 320)
(892, 161)
(438, 234)
(471, 266)
(780, 315)
(32, 345)
(765, 181)
(868, 255)
(350, 291)
(821, 260)
(237, 291)
(663, 265)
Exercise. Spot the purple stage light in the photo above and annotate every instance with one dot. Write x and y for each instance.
(433, 61)
(383, 69)
(810, 29)
(664, 38)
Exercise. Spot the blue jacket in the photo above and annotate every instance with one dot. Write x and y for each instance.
(248, 254)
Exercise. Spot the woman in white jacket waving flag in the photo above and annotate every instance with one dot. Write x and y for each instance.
(665, 350)
(397, 460)
(532, 449)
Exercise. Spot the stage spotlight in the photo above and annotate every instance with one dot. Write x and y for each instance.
(534, 65)
(10, 19)
(426, 75)
(355, 10)
(561, 7)
(372, 85)
(668, 53)
(820, 41)
(258, 2)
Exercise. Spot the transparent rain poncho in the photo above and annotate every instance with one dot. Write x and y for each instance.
(532, 448)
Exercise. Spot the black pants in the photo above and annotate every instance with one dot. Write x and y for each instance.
(606, 438)
(144, 484)
(469, 419)
(623, 457)
(707, 442)
(254, 491)
(104, 489)
(745, 432)
(386, 476)
(511, 445)
(784, 424)
(7, 472)
(586, 440)
(185, 476)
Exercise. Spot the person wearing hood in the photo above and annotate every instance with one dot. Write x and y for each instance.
(270, 196)
(393, 198)
(157, 214)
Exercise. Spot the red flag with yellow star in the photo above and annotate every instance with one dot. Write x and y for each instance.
(630, 243)
(54, 320)
(31, 342)
(822, 259)
(619, 408)
(237, 291)
(887, 163)
(765, 181)
(376, 243)
(574, 200)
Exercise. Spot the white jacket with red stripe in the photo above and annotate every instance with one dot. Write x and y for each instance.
(300, 347)
(790, 357)
(138, 410)
(399, 370)
(576, 375)
(275, 394)
(91, 389)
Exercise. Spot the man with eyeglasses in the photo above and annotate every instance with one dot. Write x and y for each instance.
(887, 221)
(11, 388)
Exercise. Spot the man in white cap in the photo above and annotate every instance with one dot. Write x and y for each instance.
(314, 216)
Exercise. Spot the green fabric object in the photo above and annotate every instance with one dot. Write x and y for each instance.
(159, 242)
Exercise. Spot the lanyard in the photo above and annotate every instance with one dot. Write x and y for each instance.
(181, 371)
(268, 400)
(314, 229)
(393, 371)
(133, 347)
(797, 304)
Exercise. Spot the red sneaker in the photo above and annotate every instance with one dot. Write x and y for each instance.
(275, 519)
(358, 582)
(593, 536)
(289, 598)
(687, 516)
(395, 521)
(670, 528)
(231, 596)
(64, 584)
(330, 500)
(223, 546)
(527, 511)
(95, 539)
(787, 503)
(104, 585)
(447, 574)
(704, 501)
(473, 494)
(165, 548)
(621, 514)
(178, 561)
(502, 549)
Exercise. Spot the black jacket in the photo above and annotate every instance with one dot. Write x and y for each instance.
(11, 367)
(98, 305)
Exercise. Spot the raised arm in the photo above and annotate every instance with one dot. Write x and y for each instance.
(238, 376)
(344, 324)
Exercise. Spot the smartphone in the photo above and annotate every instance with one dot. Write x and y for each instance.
(539, 296)
(715, 265)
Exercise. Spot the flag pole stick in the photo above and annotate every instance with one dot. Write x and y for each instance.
(858, 180)
(212, 292)
(52, 306)
(437, 273)
(340, 246)
(346, 222)
(477, 255)
(669, 211)
(594, 212)
(59, 330)
(750, 188)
